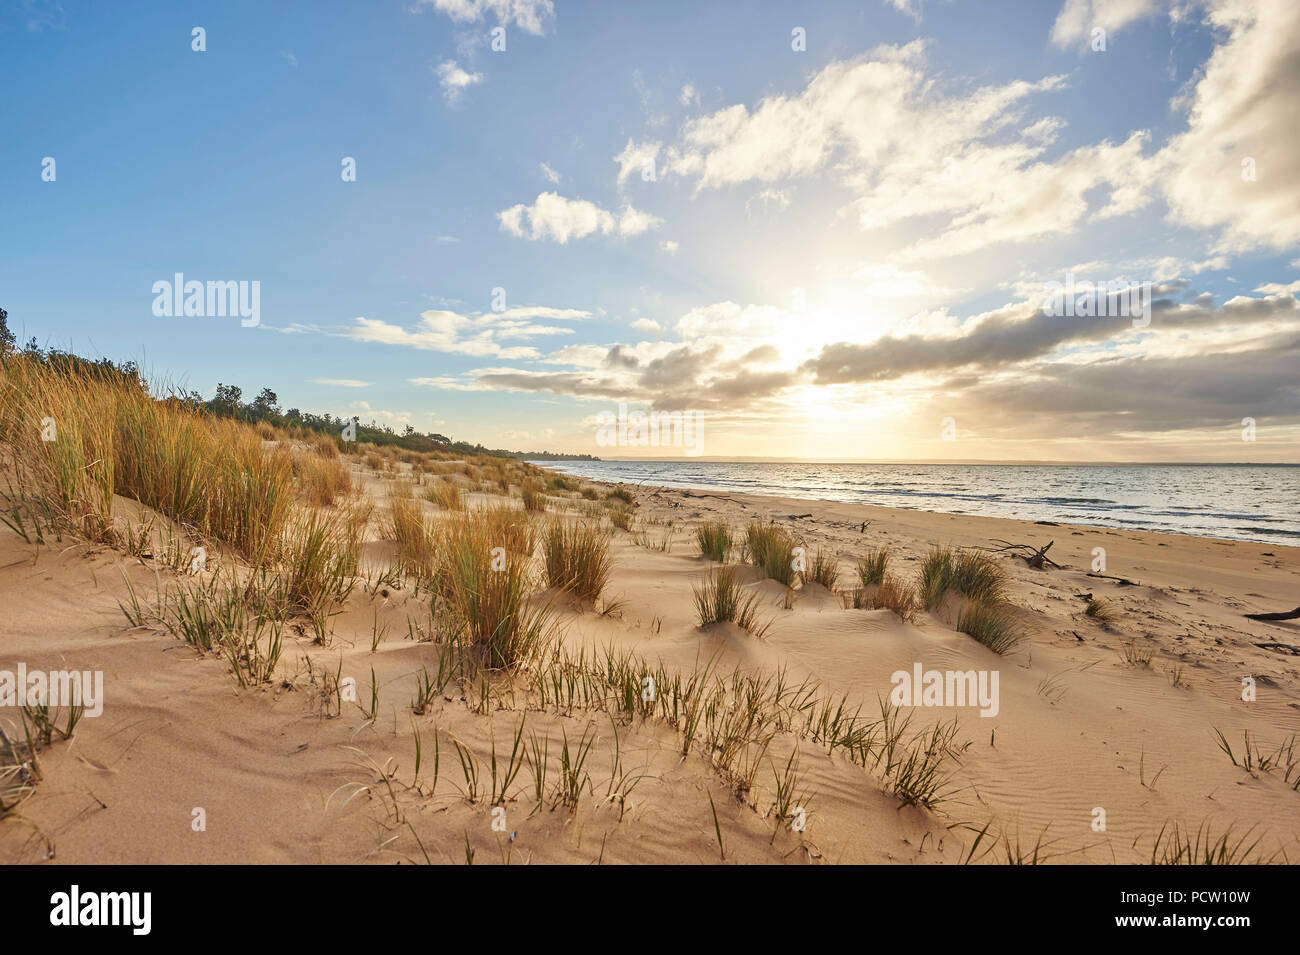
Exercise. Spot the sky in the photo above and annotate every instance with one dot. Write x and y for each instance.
(823, 231)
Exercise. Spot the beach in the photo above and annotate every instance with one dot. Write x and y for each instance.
(1102, 739)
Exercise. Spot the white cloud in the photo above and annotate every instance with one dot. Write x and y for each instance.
(454, 80)
(906, 149)
(1244, 106)
(480, 335)
(554, 217)
(550, 174)
(909, 7)
(670, 246)
(288, 58)
(1276, 288)
(529, 15)
(543, 311)
(341, 382)
(447, 384)
(1078, 18)
(636, 159)
(689, 96)
(646, 325)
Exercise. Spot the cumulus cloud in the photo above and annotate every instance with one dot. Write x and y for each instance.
(554, 217)
(907, 147)
(1242, 122)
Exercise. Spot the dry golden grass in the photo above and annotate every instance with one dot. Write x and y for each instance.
(322, 480)
(417, 548)
(75, 441)
(576, 558)
(446, 494)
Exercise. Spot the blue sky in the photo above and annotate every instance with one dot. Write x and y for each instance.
(823, 225)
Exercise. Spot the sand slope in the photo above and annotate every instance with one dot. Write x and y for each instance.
(1078, 727)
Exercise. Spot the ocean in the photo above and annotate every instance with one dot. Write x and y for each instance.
(1239, 502)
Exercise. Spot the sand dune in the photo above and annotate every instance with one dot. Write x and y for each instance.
(284, 776)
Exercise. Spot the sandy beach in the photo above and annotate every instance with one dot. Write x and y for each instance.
(1118, 716)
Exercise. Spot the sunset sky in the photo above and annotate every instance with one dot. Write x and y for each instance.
(825, 252)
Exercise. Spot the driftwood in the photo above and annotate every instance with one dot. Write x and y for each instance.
(1284, 615)
(721, 497)
(1035, 557)
(1122, 581)
(797, 517)
(1281, 648)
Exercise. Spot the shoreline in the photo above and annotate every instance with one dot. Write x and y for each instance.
(1282, 538)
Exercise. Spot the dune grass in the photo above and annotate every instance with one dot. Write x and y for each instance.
(891, 593)
(715, 540)
(990, 623)
(871, 568)
(1099, 609)
(1177, 845)
(720, 599)
(446, 494)
(417, 549)
(622, 517)
(488, 599)
(74, 441)
(969, 574)
(322, 550)
(576, 558)
(322, 480)
(771, 549)
(620, 494)
(533, 497)
(824, 570)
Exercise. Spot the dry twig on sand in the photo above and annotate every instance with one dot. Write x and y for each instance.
(1035, 557)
